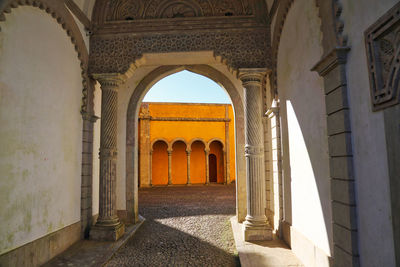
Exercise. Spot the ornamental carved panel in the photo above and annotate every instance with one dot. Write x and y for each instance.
(383, 53)
(240, 48)
(123, 30)
(118, 10)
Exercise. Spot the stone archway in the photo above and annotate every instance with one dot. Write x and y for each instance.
(131, 134)
(237, 35)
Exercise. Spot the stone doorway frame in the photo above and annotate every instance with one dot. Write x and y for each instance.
(132, 151)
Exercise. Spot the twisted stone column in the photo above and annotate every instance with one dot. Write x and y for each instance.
(169, 166)
(108, 226)
(207, 151)
(188, 166)
(256, 226)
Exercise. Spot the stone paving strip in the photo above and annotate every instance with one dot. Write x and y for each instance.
(185, 226)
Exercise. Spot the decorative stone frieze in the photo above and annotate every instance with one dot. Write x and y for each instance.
(133, 10)
(382, 42)
(108, 226)
(240, 48)
(256, 226)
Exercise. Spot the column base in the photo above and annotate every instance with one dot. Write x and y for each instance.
(107, 233)
(257, 233)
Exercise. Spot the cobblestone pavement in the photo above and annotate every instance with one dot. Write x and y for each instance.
(185, 226)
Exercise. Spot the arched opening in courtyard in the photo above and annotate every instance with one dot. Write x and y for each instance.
(186, 140)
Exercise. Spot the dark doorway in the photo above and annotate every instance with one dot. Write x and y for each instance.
(212, 161)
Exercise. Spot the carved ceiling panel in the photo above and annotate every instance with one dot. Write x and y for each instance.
(120, 10)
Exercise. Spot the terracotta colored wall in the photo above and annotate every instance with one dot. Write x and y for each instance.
(170, 121)
(179, 163)
(160, 164)
(198, 163)
(216, 149)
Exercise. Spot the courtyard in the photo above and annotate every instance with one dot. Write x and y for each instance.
(185, 226)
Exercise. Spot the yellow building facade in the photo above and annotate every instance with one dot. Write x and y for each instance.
(186, 143)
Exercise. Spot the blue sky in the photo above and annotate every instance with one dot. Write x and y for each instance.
(187, 87)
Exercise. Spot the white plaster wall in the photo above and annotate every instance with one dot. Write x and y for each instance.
(41, 128)
(304, 135)
(369, 147)
(96, 150)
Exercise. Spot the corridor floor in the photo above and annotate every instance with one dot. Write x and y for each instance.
(185, 226)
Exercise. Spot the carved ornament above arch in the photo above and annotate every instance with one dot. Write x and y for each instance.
(121, 10)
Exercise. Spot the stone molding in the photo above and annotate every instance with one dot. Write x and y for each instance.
(382, 41)
(110, 81)
(337, 56)
(252, 76)
(62, 15)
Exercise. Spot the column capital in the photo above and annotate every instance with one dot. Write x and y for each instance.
(110, 81)
(207, 150)
(188, 151)
(252, 76)
(86, 116)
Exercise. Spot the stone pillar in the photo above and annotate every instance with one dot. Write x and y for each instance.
(188, 152)
(256, 226)
(207, 151)
(151, 167)
(225, 167)
(227, 147)
(276, 186)
(169, 166)
(108, 226)
(144, 146)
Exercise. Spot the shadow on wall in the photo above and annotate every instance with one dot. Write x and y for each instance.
(309, 167)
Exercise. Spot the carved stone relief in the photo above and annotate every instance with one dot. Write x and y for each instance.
(383, 53)
(240, 48)
(141, 9)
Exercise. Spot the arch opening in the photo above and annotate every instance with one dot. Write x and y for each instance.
(192, 144)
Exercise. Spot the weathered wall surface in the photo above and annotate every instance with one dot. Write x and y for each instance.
(304, 135)
(369, 147)
(41, 128)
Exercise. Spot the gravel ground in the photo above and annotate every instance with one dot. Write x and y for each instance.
(185, 226)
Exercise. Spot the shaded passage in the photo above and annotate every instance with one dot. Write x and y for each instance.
(185, 226)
